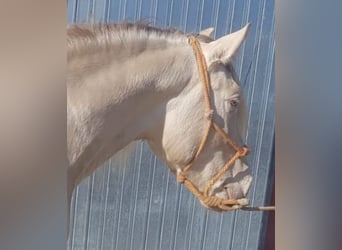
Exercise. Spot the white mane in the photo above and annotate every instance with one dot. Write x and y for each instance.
(118, 38)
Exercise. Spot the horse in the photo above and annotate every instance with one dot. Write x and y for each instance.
(177, 92)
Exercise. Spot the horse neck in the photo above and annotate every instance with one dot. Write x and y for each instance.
(118, 102)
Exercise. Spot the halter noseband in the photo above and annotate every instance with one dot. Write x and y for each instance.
(211, 201)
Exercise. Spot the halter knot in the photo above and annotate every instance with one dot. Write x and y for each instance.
(192, 40)
(224, 204)
(180, 177)
(212, 201)
(209, 114)
(243, 151)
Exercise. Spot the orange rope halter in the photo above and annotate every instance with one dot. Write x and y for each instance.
(211, 201)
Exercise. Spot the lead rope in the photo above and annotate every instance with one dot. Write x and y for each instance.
(211, 201)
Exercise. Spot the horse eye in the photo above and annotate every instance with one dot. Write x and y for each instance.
(234, 103)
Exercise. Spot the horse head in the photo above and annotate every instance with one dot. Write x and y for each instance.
(202, 133)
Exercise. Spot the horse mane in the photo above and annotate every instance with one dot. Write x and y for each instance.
(97, 28)
(88, 37)
(83, 38)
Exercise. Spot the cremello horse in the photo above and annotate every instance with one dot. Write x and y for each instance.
(129, 82)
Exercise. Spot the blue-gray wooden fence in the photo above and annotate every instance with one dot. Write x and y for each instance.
(135, 203)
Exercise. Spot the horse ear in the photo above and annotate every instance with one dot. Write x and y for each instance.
(224, 48)
(207, 32)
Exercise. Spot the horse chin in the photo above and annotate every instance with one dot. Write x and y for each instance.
(231, 191)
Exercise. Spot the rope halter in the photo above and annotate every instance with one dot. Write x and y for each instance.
(211, 201)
